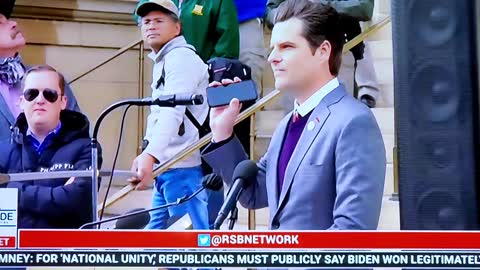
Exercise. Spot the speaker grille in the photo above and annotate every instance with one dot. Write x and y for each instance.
(436, 113)
(433, 21)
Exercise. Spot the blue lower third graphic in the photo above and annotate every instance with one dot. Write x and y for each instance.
(204, 240)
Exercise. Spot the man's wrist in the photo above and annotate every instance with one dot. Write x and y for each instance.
(217, 138)
(151, 157)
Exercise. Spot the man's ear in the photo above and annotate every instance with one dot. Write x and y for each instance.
(179, 28)
(64, 102)
(324, 50)
(21, 102)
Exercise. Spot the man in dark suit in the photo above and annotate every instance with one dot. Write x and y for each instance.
(316, 173)
(12, 70)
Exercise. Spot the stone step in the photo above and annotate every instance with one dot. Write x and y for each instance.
(389, 187)
(381, 49)
(135, 199)
(385, 119)
(386, 99)
(261, 217)
(389, 215)
(385, 33)
(384, 70)
(389, 142)
(267, 121)
(381, 8)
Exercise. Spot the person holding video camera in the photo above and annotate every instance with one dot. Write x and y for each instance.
(177, 70)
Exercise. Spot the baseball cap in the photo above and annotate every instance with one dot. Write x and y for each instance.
(6, 7)
(167, 5)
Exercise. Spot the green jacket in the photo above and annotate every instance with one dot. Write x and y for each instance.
(361, 10)
(211, 26)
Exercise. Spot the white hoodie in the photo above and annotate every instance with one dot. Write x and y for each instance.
(185, 74)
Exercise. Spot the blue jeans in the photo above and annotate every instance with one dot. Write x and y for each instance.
(177, 183)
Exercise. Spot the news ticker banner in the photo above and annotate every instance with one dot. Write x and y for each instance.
(239, 259)
(8, 217)
(287, 240)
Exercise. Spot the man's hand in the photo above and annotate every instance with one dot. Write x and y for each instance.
(222, 119)
(143, 166)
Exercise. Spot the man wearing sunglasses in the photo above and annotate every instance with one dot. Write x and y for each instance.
(49, 138)
(12, 71)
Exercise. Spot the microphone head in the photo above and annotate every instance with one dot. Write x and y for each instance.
(212, 181)
(246, 170)
(133, 222)
(197, 99)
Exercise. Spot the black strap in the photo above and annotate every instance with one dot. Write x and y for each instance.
(195, 122)
(188, 113)
(162, 77)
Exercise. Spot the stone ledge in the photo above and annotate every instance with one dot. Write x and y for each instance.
(99, 11)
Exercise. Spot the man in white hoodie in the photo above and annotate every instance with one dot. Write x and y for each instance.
(177, 70)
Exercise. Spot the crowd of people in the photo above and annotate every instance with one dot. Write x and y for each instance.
(316, 159)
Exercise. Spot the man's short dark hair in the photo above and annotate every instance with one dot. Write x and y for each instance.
(39, 68)
(320, 22)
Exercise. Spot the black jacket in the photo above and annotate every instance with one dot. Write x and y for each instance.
(49, 203)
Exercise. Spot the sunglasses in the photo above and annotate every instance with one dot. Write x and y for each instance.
(49, 94)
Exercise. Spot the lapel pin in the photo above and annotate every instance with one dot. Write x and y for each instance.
(311, 126)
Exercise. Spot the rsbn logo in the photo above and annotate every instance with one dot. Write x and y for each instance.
(204, 240)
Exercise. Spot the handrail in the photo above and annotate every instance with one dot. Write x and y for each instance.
(368, 32)
(247, 113)
(115, 55)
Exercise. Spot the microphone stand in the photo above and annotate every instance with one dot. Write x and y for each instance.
(162, 101)
(233, 218)
(94, 145)
(178, 202)
(234, 213)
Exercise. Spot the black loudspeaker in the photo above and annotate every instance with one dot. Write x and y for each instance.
(436, 113)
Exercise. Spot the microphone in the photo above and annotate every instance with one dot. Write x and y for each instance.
(168, 101)
(210, 181)
(243, 175)
(133, 222)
